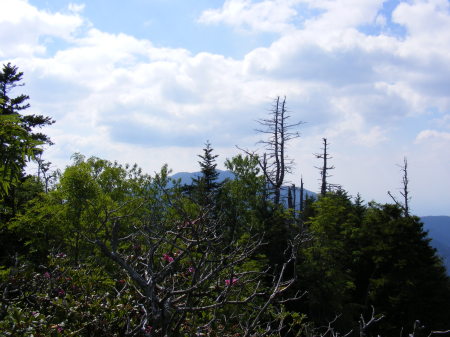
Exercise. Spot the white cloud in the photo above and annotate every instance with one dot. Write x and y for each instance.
(22, 27)
(344, 14)
(427, 23)
(433, 135)
(265, 16)
(77, 8)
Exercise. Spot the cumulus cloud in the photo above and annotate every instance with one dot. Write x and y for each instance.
(23, 28)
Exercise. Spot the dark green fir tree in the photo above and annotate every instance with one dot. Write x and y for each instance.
(206, 186)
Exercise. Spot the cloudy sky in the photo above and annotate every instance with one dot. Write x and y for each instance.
(149, 81)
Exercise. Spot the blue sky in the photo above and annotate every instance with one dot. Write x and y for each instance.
(149, 81)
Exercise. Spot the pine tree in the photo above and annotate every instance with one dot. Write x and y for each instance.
(10, 78)
(206, 185)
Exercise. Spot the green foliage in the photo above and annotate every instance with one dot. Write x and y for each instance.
(17, 146)
(402, 275)
(79, 208)
(241, 199)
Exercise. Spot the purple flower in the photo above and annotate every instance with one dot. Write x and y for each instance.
(191, 269)
(47, 274)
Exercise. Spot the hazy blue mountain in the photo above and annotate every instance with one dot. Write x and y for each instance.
(438, 228)
(186, 179)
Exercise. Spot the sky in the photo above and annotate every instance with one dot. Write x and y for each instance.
(150, 81)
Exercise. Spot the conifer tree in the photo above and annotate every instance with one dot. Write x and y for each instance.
(18, 138)
(206, 185)
(10, 78)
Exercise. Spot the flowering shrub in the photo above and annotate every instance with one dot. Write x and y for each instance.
(68, 300)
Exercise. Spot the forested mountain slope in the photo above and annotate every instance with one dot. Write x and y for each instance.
(438, 228)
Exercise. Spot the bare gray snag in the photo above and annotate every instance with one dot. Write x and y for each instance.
(325, 186)
(404, 190)
(275, 163)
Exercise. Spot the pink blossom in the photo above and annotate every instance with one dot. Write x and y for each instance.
(167, 258)
(47, 274)
(191, 269)
(148, 329)
(61, 292)
(231, 281)
(58, 328)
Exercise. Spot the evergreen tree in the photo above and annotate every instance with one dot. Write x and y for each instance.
(399, 272)
(17, 150)
(10, 78)
(206, 186)
(371, 256)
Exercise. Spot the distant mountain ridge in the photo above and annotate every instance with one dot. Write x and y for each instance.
(438, 228)
(186, 179)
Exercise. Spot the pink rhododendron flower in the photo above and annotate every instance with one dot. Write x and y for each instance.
(167, 258)
(231, 281)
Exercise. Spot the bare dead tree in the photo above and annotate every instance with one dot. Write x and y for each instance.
(324, 169)
(365, 324)
(301, 195)
(183, 265)
(275, 162)
(44, 174)
(404, 189)
(291, 197)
